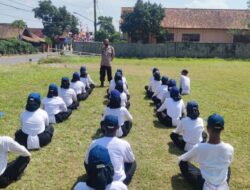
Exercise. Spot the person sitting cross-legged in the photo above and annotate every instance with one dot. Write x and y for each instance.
(151, 79)
(190, 130)
(172, 110)
(155, 85)
(161, 91)
(35, 132)
(112, 85)
(55, 106)
(86, 79)
(124, 80)
(12, 171)
(213, 157)
(120, 152)
(124, 99)
(78, 87)
(68, 94)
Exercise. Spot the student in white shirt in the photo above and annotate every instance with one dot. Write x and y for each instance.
(124, 99)
(124, 80)
(68, 94)
(115, 185)
(184, 83)
(55, 106)
(213, 157)
(156, 83)
(124, 117)
(120, 152)
(172, 110)
(190, 130)
(78, 87)
(161, 91)
(35, 132)
(151, 79)
(86, 79)
(12, 171)
(113, 82)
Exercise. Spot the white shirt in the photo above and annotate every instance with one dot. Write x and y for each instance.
(151, 79)
(113, 84)
(174, 109)
(115, 185)
(185, 84)
(34, 123)
(53, 106)
(124, 99)
(124, 80)
(162, 93)
(214, 160)
(68, 96)
(123, 115)
(191, 130)
(155, 85)
(87, 81)
(120, 152)
(78, 87)
(7, 144)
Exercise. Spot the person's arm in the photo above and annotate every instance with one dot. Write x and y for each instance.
(13, 146)
(113, 54)
(179, 129)
(128, 154)
(163, 106)
(128, 115)
(90, 80)
(74, 97)
(63, 106)
(83, 88)
(183, 110)
(46, 119)
(191, 155)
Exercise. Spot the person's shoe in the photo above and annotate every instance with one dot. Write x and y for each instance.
(102, 85)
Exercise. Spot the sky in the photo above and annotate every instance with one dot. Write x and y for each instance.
(104, 8)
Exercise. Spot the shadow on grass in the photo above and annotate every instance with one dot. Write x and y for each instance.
(172, 149)
(105, 102)
(81, 178)
(178, 182)
(159, 125)
(98, 134)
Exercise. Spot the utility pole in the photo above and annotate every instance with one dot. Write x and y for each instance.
(95, 17)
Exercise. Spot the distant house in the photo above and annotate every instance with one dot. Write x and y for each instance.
(7, 31)
(204, 25)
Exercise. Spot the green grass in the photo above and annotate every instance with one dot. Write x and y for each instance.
(218, 85)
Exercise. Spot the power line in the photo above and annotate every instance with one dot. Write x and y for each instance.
(76, 13)
(21, 9)
(21, 4)
(17, 17)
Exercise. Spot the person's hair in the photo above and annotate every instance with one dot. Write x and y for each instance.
(184, 72)
(214, 130)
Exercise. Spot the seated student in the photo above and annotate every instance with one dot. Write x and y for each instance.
(163, 89)
(68, 94)
(214, 158)
(124, 99)
(124, 117)
(190, 130)
(78, 87)
(124, 80)
(120, 152)
(115, 185)
(155, 84)
(10, 172)
(151, 79)
(35, 132)
(113, 82)
(172, 109)
(184, 83)
(55, 106)
(86, 79)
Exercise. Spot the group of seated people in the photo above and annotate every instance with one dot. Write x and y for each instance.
(109, 162)
(37, 121)
(213, 156)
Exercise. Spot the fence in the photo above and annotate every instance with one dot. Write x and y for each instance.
(172, 49)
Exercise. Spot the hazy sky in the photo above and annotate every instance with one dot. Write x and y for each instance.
(105, 7)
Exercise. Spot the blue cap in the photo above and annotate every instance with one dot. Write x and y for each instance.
(157, 76)
(193, 109)
(164, 80)
(76, 77)
(171, 83)
(118, 76)
(119, 71)
(216, 121)
(53, 90)
(33, 102)
(114, 94)
(119, 86)
(65, 83)
(154, 69)
(111, 122)
(175, 93)
(83, 69)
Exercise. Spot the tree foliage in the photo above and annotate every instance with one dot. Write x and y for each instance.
(143, 21)
(55, 20)
(19, 23)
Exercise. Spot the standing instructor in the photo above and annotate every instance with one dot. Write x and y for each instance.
(108, 54)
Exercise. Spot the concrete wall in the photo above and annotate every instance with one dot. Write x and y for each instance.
(206, 35)
(199, 50)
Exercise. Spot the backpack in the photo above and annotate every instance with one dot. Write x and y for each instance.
(100, 170)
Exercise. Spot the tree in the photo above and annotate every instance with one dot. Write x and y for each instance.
(248, 4)
(55, 20)
(19, 24)
(143, 21)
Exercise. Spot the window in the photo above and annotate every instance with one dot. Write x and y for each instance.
(241, 38)
(190, 37)
(169, 37)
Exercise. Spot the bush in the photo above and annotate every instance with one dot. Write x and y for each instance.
(15, 46)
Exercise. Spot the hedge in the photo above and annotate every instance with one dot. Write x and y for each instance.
(15, 46)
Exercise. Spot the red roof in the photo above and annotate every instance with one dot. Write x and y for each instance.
(37, 31)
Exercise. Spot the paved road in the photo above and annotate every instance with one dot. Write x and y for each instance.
(24, 58)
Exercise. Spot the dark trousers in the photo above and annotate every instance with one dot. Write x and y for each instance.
(129, 171)
(74, 106)
(62, 116)
(92, 86)
(164, 119)
(193, 175)
(128, 105)
(82, 97)
(88, 90)
(156, 100)
(103, 71)
(44, 138)
(149, 94)
(126, 127)
(13, 171)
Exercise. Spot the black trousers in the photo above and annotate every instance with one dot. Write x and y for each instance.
(103, 71)
(128, 105)
(193, 175)
(92, 86)
(13, 171)
(88, 90)
(74, 106)
(149, 94)
(178, 140)
(129, 171)
(44, 138)
(156, 100)
(82, 97)
(62, 116)
(126, 127)
(164, 118)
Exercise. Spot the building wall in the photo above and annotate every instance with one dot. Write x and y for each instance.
(206, 35)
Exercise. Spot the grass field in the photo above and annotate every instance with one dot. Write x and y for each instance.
(221, 86)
